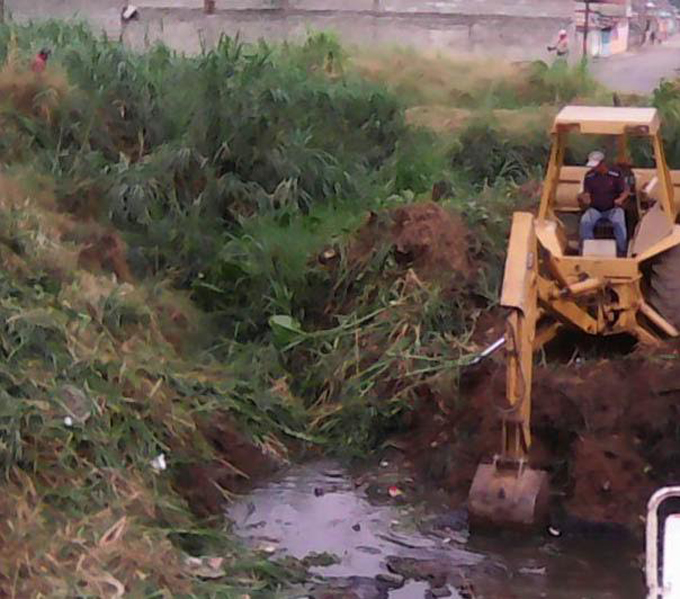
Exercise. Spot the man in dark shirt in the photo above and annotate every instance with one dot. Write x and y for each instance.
(604, 191)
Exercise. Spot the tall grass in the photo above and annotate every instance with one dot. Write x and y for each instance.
(478, 83)
(175, 147)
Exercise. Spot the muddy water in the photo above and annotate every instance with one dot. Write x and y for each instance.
(318, 508)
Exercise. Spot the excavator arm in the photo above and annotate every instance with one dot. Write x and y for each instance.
(520, 295)
(507, 491)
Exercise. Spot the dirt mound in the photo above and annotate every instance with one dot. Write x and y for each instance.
(606, 431)
(605, 471)
(431, 239)
(105, 252)
(424, 236)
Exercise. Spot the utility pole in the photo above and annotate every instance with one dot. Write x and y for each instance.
(585, 30)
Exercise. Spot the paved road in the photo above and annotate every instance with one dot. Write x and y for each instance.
(639, 72)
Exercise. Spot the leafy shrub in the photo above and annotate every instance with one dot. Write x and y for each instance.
(667, 99)
(557, 83)
(489, 153)
(179, 149)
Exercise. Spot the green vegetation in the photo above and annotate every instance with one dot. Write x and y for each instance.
(229, 245)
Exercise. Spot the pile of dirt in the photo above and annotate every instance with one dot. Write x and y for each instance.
(606, 431)
(422, 236)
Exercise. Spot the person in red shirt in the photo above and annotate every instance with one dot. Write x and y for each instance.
(40, 61)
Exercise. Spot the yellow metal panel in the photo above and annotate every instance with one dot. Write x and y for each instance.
(654, 227)
(666, 195)
(665, 244)
(607, 120)
(552, 176)
(566, 308)
(548, 234)
(573, 174)
(566, 197)
(546, 334)
(520, 264)
(575, 268)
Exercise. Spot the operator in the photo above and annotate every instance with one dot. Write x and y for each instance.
(604, 191)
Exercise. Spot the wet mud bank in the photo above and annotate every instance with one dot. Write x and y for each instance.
(605, 430)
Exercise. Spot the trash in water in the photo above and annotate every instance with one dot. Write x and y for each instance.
(532, 571)
(395, 491)
(267, 548)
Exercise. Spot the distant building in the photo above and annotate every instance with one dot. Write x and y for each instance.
(615, 26)
(609, 26)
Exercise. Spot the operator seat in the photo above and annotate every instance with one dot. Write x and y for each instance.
(604, 244)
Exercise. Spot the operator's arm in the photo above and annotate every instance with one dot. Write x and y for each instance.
(622, 191)
(584, 198)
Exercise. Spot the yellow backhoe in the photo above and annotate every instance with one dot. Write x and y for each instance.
(553, 279)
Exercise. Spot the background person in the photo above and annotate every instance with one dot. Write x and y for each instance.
(561, 47)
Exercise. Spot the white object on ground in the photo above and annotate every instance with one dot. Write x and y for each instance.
(68, 421)
(158, 463)
(129, 12)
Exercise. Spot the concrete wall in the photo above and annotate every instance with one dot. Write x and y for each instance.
(511, 29)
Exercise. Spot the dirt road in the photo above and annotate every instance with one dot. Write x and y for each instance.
(639, 72)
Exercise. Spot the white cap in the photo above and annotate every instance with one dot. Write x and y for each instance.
(562, 33)
(595, 158)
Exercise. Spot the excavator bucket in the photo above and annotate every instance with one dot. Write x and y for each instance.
(513, 496)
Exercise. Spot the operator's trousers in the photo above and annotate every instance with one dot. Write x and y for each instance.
(616, 216)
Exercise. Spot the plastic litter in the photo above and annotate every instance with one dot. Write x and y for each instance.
(158, 463)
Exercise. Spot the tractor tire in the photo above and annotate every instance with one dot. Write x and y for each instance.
(665, 286)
